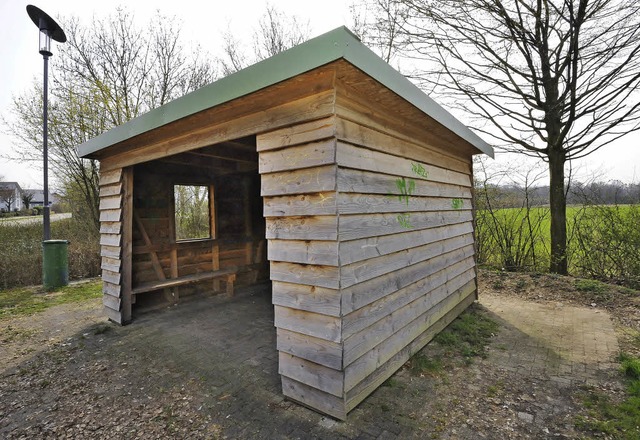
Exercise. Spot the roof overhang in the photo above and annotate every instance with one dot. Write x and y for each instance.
(337, 44)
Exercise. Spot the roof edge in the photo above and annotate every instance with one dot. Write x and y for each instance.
(339, 43)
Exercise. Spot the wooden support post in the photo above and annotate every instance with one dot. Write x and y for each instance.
(215, 250)
(127, 243)
(174, 273)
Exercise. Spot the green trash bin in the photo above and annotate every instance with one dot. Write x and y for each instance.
(55, 264)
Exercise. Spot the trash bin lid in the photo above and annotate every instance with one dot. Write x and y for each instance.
(55, 241)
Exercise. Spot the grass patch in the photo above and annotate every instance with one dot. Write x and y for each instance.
(421, 364)
(468, 335)
(620, 420)
(27, 301)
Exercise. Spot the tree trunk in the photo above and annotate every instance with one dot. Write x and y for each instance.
(558, 205)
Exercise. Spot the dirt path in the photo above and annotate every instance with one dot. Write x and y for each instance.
(208, 369)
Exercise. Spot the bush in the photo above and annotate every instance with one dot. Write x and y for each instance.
(21, 251)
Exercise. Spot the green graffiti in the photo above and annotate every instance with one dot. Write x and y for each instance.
(406, 188)
(418, 169)
(456, 203)
(405, 220)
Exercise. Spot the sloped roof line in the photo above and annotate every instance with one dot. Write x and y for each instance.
(339, 43)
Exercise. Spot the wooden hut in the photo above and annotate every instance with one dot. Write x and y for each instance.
(328, 173)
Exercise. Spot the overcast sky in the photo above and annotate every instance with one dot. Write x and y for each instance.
(203, 23)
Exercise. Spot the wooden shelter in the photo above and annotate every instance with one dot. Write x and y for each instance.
(329, 174)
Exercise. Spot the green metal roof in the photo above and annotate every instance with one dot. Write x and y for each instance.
(339, 43)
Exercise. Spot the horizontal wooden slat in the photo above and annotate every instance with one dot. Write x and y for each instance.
(361, 342)
(111, 215)
(454, 277)
(110, 239)
(358, 181)
(110, 177)
(298, 157)
(111, 302)
(358, 393)
(310, 298)
(302, 228)
(312, 374)
(112, 277)
(375, 203)
(308, 323)
(352, 227)
(358, 134)
(187, 279)
(314, 349)
(365, 248)
(110, 289)
(297, 134)
(376, 357)
(368, 269)
(322, 276)
(110, 251)
(351, 156)
(112, 264)
(113, 315)
(302, 204)
(110, 227)
(314, 398)
(303, 251)
(359, 295)
(111, 190)
(309, 180)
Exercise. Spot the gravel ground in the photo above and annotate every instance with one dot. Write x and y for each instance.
(208, 369)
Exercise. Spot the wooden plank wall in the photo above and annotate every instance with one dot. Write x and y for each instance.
(111, 210)
(406, 260)
(298, 171)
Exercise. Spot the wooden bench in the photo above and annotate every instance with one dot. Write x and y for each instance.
(229, 274)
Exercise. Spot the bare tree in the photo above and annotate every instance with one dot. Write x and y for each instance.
(276, 32)
(105, 75)
(554, 79)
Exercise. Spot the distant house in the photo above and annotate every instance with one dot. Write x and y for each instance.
(38, 197)
(10, 196)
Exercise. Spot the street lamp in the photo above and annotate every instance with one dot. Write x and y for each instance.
(48, 29)
(55, 265)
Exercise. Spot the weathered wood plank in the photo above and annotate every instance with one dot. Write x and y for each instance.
(110, 289)
(312, 374)
(361, 342)
(298, 157)
(351, 156)
(299, 205)
(310, 298)
(309, 274)
(111, 190)
(313, 398)
(111, 215)
(358, 393)
(308, 323)
(297, 134)
(374, 203)
(380, 354)
(110, 227)
(366, 182)
(311, 107)
(111, 302)
(316, 350)
(323, 253)
(110, 177)
(110, 202)
(113, 315)
(355, 226)
(359, 295)
(111, 277)
(365, 248)
(127, 244)
(368, 269)
(452, 277)
(112, 264)
(110, 239)
(110, 251)
(309, 180)
(358, 134)
(302, 228)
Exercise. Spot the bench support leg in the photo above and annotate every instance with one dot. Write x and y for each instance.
(230, 280)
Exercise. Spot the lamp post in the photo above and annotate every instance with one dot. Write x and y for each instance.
(48, 29)
(55, 267)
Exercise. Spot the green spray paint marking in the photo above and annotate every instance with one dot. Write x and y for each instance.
(456, 203)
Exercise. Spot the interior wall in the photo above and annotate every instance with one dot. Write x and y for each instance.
(238, 228)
